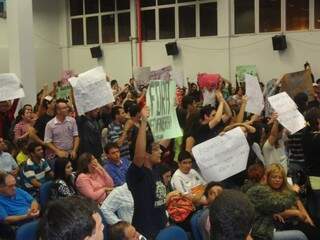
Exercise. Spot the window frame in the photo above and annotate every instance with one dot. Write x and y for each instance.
(283, 28)
(99, 15)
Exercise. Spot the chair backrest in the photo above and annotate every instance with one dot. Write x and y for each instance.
(28, 231)
(44, 193)
(172, 233)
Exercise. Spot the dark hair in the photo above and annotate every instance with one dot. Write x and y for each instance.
(109, 146)
(83, 162)
(60, 168)
(3, 177)
(162, 169)
(21, 112)
(206, 110)
(115, 111)
(210, 185)
(117, 231)
(32, 146)
(232, 215)
(312, 117)
(60, 100)
(256, 171)
(187, 100)
(134, 109)
(127, 104)
(45, 103)
(68, 219)
(183, 155)
(113, 82)
(301, 99)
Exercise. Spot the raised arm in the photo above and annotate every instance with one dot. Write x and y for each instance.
(141, 143)
(217, 118)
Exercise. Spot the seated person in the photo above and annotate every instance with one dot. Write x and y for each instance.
(231, 215)
(92, 180)
(7, 162)
(117, 167)
(124, 230)
(118, 206)
(63, 185)
(36, 171)
(71, 218)
(16, 205)
(185, 179)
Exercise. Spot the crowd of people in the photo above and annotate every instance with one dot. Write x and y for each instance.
(109, 179)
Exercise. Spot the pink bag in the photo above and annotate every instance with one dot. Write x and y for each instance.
(209, 81)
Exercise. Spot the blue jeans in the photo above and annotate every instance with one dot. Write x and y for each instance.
(289, 235)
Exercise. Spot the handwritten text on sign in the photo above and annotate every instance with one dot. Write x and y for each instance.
(163, 119)
(223, 156)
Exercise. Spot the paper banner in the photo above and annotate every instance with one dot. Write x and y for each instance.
(142, 75)
(10, 87)
(163, 119)
(255, 102)
(91, 90)
(241, 70)
(223, 156)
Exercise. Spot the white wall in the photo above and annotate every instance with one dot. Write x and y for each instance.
(48, 50)
(210, 54)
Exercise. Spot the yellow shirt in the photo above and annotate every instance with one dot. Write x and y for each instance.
(21, 158)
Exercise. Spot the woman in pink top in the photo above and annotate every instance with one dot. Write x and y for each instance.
(93, 181)
(21, 129)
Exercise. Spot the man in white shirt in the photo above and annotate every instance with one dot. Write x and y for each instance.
(185, 178)
(118, 206)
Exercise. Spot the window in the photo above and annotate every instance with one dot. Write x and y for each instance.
(108, 28)
(147, 3)
(124, 26)
(270, 15)
(297, 14)
(208, 19)
(187, 21)
(317, 14)
(76, 7)
(77, 31)
(148, 25)
(244, 16)
(165, 2)
(114, 16)
(92, 30)
(166, 23)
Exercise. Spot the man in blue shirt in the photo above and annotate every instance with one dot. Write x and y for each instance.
(116, 167)
(16, 205)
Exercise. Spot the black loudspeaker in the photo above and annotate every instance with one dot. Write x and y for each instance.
(96, 52)
(172, 49)
(279, 42)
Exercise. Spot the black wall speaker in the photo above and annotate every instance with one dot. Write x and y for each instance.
(279, 42)
(172, 49)
(96, 52)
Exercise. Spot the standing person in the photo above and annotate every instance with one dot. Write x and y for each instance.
(61, 134)
(7, 162)
(7, 110)
(145, 184)
(36, 171)
(21, 129)
(117, 132)
(90, 133)
(37, 132)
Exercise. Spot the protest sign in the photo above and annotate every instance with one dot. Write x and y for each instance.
(91, 90)
(10, 87)
(288, 114)
(142, 75)
(241, 70)
(294, 83)
(64, 92)
(163, 119)
(178, 76)
(208, 80)
(255, 102)
(223, 156)
(161, 74)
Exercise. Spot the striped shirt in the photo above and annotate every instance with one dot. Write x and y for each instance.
(114, 133)
(34, 171)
